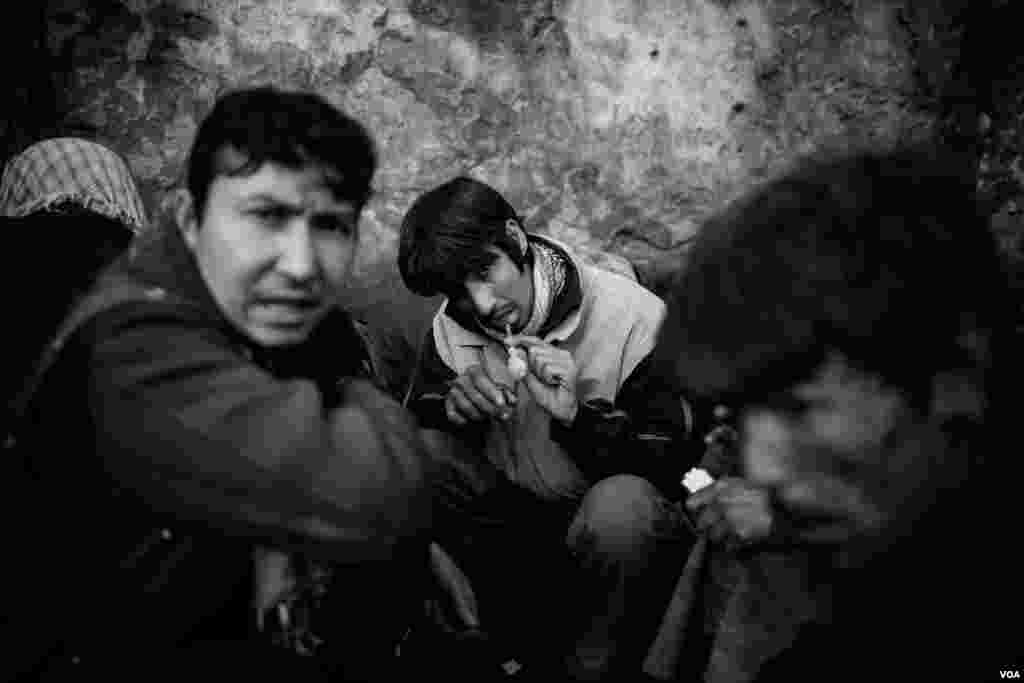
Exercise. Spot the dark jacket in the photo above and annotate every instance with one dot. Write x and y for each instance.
(163, 445)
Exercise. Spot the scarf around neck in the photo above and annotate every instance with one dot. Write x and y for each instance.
(549, 277)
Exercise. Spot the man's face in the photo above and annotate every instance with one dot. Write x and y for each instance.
(820, 446)
(501, 296)
(274, 247)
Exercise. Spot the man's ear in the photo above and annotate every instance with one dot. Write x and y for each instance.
(516, 232)
(187, 219)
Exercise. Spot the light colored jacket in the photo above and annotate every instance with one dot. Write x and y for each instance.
(614, 329)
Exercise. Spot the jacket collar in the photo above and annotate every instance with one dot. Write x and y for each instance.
(163, 261)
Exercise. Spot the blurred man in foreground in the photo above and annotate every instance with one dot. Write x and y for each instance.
(850, 312)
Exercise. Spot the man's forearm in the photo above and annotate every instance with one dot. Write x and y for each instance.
(645, 432)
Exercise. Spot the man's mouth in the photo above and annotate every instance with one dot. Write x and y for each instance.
(289, 310)
(504, 319)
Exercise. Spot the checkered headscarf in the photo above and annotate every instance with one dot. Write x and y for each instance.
(57, 172)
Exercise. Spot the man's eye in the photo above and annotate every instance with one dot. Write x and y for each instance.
(342, 225)
(269, 214)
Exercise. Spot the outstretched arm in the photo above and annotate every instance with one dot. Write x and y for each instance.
(650, 430)
(203, 434)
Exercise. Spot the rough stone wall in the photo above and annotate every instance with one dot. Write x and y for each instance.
(613, 125)
(997, 67)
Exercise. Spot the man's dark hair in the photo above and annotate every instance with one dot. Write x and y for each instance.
(446, 234)
(884, 258)
(292, 129)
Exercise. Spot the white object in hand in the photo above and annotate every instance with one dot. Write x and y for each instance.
(517, 363)
(696, 479)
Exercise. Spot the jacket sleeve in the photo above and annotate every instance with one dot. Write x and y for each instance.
(430, 384)
(186, 422)
(649, 431)
(392, 357)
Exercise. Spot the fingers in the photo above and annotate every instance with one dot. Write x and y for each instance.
(454, 413)
(537, 387)
(493, 393)
(825, 497)
(552, 366)
(702, 498)
(525, 340)
(732, 508)
(713, 522)
(749, 518)
(468, 403)
(709, 494)
(275, 580)
(739, 493)
(474, 396)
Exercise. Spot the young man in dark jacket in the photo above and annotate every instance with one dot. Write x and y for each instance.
(226, 433)
(869, 382)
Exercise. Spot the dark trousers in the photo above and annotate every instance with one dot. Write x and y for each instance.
(199, 623)
(583, 581)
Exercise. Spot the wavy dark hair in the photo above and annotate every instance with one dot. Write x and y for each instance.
(446, 234)
(883, 257)
(293, 129)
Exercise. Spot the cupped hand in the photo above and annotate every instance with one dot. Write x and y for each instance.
(552, 376)
(474, 396)
(733, 507)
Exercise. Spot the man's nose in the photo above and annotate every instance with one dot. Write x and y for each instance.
(297, 257)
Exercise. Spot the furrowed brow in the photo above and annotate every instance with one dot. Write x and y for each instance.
(267, 198)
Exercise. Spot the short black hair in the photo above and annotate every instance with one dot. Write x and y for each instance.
(293, 129)
(447, 231)
(883, 257)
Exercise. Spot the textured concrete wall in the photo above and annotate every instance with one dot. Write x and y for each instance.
(614, 125)
(999, 65)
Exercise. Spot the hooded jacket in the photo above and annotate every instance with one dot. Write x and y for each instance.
(164, 445)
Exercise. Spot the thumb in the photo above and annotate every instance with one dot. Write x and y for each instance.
(704, 497)
(536, 387)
